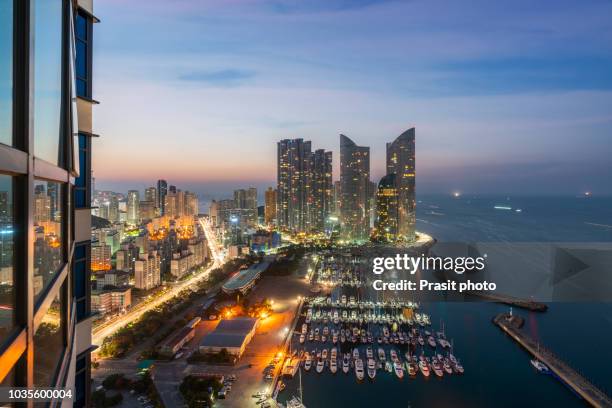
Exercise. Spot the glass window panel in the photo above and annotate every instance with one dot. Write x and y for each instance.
(49, 344)
(81, 59)
(81, 27)
(6, 72)
(81, 87)
(48, 239)
(47, 78)
(80, 280)
(7, 294)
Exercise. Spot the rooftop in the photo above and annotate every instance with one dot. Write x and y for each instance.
(245, 277)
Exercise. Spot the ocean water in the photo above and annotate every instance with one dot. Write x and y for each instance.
(498, 372)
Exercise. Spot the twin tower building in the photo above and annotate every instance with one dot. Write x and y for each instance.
(307, 198)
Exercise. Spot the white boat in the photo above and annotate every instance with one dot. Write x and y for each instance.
(399, 371)
(346, 363)
(310, 336)
(308, 362)
(424, 368)
(446, 364)
(381, 354)
(302, 338)
(356, 353)
(458, 367)
(335, 338)
(394, 355)
(431, 341)
(320, 366)
(359, 369)
(437, 367)
(388, 366)
(333, 365)
(371, 368)
(369, 353)
(540, 366)
(304, 328)
(324, 354)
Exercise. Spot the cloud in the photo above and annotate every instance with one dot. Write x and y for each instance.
(223, 78)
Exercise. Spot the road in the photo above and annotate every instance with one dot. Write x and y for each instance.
(218, 258)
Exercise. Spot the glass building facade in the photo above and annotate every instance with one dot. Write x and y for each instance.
(45, 189)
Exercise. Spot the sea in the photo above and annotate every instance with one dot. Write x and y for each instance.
(498, 372)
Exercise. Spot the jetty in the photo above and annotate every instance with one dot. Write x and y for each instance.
(580, 385)
(527, 304)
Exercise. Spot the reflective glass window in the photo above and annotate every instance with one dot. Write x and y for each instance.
(48, 239)
(7, 294)
(49, 344)
(47, 32)
(6, 71)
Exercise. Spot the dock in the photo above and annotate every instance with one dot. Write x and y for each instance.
(580, 385)
(527, 304)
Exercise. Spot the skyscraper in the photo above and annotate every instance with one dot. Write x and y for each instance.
(401, 162)
(320, 197)
(162, 190)
(133, 207)
(46, 55)
(355, 182)
(270, 206)
(151, 195)
(293, 184)
(387, 209)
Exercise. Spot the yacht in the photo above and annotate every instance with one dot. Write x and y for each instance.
(458, 367)
(399, 371)
(356, 353)
(304, 328)
(421, 340)
(325, 331)
(369, 352)
(413, 368)
(346, 363)
(335, 338)
(310, 336)
(302, 338)
(359, 369)
(308, 362)
(324, 354)
(381, 354)
(320, 366)
(431, 341)
(394, 355)
(333, 365)
(371, 368)
(436, 366)
(388, 366)
(446, 364)
(424, 367)
(540, 366)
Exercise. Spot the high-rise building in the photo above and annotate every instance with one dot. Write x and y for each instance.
(320, 197)
(171, 204)
(270, 207)
(162, 190)
(147, 273)
(401, 162)
(246, 201)
(46, 118)
(387, 215)
(101, 257)
(293, 184)
(133, 207)
(337, 197)
(355, 187)
(113, 209)
(146, 210)
(151, 195)
(191, 204)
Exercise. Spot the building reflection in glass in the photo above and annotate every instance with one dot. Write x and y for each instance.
(7, 295)
(49, 344)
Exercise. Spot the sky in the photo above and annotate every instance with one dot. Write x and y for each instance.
(506, 97)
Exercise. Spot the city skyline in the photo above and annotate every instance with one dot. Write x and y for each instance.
(497, 110)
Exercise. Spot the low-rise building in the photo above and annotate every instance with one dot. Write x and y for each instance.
(173, 344)
(116, 278)
(232, 335)
(111, 301)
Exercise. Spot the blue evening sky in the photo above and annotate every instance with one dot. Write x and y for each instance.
(512, 97)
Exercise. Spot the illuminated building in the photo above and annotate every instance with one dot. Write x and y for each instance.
(45, 195)
(270, 206)
(355, 189)
(320, 197)
(162, 190)
(115, 278)
(100, 257)
(246, 200)
(387, 209)
(401, 161)
(133, 207)
(293, 171)
(113, 209)
(111, 300)
(191, 204)
(147, 210)
(147, 274)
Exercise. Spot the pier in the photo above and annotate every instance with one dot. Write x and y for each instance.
(580, 385)
(527, 304)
